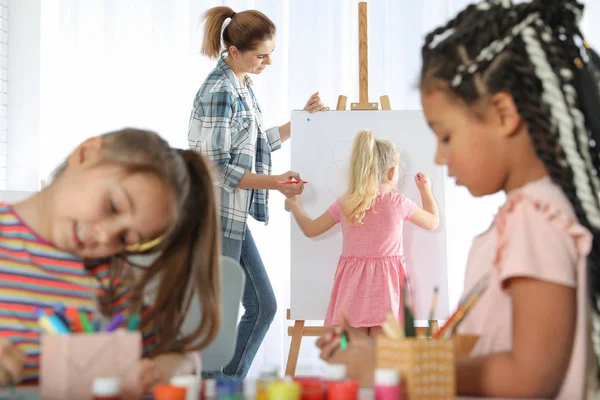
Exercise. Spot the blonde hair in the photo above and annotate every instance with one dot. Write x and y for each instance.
(369, 165)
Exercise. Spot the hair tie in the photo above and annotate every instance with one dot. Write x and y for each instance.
(232, 15)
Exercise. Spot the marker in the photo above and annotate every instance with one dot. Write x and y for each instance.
(133, 322)
(344, 341)
(432, 311)
(50, 323)
(85, 322)
(73, 316)
(409, 322)
(115, 322)
(289, 182)
(96, 325)
(59, 311)
(421, 179)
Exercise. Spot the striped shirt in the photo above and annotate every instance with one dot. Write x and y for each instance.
(226, 126)
(34, 273)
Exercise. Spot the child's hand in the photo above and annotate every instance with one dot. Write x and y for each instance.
(12, 362)
(162, 368)
(290, 203)
(329, 343)
(423, 181)
(359, 357)
(150, 375)
(360, 360)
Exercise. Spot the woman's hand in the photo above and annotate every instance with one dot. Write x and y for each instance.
(150, 375)
(315, 104)
(12, 363)
(289, 189)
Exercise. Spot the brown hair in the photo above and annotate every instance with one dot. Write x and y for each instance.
(244, 31)
(189, 262)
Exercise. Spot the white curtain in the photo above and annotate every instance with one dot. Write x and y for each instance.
(113, 63)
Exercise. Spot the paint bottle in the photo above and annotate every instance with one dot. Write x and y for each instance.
(337, 387)
(169, 392)
(284, 390)
(229, 388)
(311, 388)
(387, 385)
(268, 374)
(342, 390)
(249, 389)
(333, 373)
(106, 389)
(209, 389)
(190, 383)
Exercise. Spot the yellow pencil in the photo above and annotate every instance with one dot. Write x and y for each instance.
(457, 317)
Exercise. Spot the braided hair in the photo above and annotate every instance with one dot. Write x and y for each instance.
(535, 52)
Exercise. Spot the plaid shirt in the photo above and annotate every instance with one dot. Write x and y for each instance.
(222, 127)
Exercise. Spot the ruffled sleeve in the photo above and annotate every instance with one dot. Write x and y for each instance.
(538, 240)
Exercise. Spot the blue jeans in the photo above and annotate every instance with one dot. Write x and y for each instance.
(258, 301)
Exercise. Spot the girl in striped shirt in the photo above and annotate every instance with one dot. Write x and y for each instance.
(122, 192)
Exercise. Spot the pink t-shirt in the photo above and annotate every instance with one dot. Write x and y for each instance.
(534, 235)
(380, 234)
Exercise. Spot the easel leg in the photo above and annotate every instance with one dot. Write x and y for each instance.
(385, 102)
(341, 104)
(297, 332)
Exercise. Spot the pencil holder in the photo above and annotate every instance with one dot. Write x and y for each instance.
(427, 367)
(70, 363)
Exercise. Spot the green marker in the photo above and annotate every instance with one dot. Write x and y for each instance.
(344, 341)
(133, 322)
(85, 322)
(409, 322)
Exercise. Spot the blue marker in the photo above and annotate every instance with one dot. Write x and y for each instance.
(51, 323)
(59, 311)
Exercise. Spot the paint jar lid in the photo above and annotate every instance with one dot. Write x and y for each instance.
(210, 388)
(283, 390)
(105, 387)
(335, 372)
(249, 388)
(184, 380)
(269, 371)
(229, 386)
(387, 377)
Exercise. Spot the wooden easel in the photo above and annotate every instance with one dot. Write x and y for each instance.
(299, 330)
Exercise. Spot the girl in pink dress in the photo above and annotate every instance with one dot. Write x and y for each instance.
(371, 271)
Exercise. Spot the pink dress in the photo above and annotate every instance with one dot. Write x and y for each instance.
(534, 235)
(370, 273)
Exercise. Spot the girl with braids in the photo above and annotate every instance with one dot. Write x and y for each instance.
(510, 93)
(226, 125)
(120, 193)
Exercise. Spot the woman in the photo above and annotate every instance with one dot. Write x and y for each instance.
(226, 125)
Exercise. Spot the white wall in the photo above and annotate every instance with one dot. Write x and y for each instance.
(24, 65)
(3, 90)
